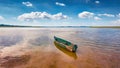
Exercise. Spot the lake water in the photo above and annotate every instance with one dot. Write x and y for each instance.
(35, 48)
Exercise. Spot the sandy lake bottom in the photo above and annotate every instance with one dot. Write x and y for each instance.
(35, 48)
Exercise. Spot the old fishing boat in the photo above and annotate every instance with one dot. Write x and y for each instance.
(66, 44)
(65, 51)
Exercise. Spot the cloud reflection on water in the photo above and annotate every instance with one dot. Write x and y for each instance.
(38, 43)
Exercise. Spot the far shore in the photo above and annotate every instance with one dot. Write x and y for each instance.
(104, 26)
(22, 26)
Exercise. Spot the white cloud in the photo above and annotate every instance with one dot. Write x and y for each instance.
(97, 2)
(97, 18)
(88, 15)
(1, 18)
(60, 4)
(85, 14)
(107, 15)
(59, 16)
(116, 21)
(41, 15)
(28, 4)
(118, 15)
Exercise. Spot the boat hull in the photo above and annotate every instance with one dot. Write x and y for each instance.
(69, 53)
(66, 44)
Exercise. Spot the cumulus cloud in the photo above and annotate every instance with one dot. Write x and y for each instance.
(107, 15)
(86, 14)
(97, 18)
(60, 4)
(28, 4)
(1, 18)
(116, 21)
(41, 15)
(97, 2)
(118, 15)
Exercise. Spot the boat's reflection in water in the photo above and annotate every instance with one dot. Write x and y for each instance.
(71, 54)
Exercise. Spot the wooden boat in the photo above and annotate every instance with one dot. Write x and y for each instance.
(65, 51)
(66, 44)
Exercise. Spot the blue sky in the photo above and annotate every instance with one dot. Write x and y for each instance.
(60, 12)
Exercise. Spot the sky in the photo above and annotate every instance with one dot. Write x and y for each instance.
(60, 12)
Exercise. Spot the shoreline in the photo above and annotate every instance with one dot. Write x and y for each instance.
(59, 26)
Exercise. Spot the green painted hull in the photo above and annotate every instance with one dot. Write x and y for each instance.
(66, 44)
(71, 54)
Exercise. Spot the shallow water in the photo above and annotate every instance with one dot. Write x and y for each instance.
(97, 48)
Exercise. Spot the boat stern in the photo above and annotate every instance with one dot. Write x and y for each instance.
(74, 49)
